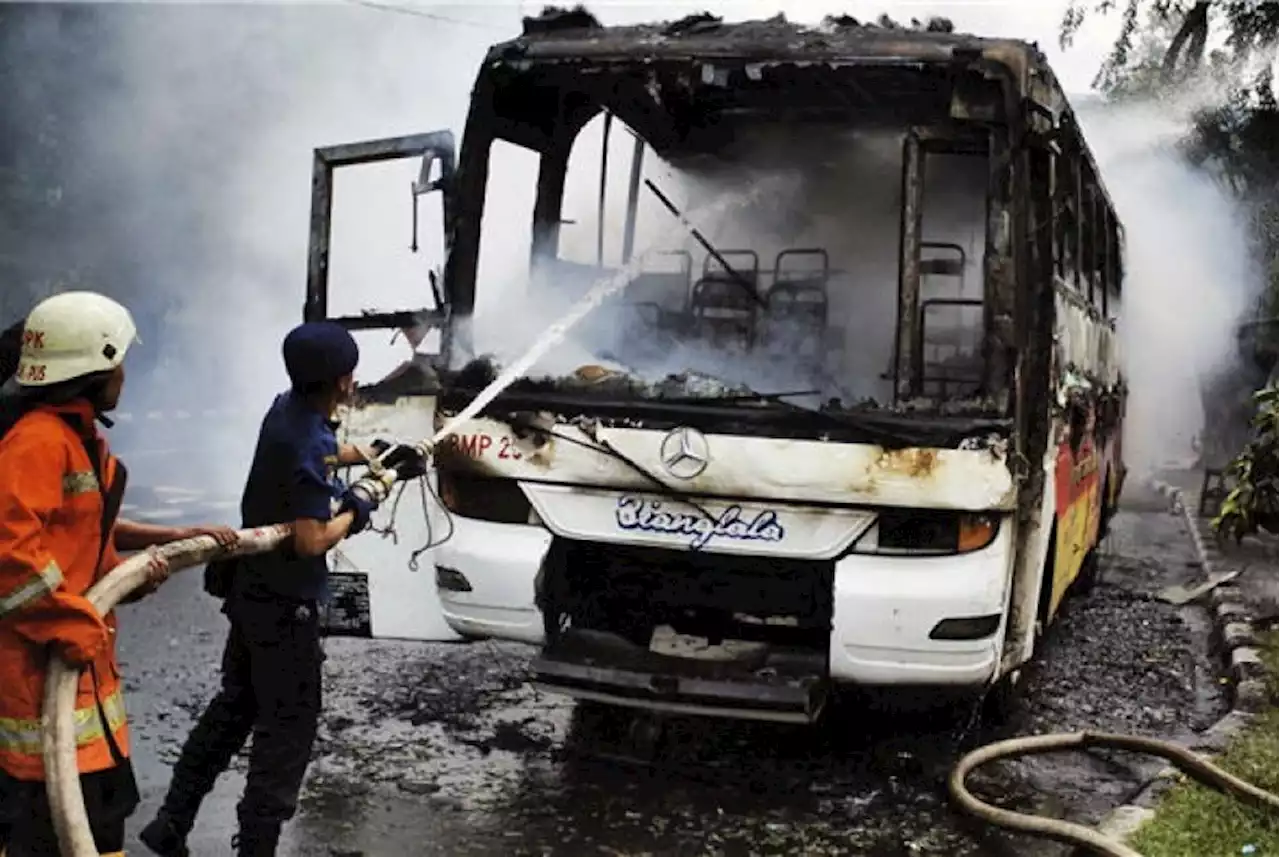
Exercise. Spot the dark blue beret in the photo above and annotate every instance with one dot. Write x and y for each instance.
(319, 352)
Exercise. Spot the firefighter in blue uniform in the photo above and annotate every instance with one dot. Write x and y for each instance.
(271, 666)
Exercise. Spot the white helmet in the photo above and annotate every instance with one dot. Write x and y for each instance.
(71, 335)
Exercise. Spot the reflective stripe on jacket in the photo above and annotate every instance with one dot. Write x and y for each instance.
(51, 510)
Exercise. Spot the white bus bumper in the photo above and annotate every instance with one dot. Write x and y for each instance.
(887, 606)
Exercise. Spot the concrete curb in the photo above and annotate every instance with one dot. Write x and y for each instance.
(1247, 689)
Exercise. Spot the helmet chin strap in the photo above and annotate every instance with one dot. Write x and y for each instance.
(90, 387)
(94, 393)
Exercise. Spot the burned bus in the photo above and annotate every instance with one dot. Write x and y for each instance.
(861, 428)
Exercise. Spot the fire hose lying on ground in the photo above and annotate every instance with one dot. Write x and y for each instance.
(1081, 835)
(71, 820)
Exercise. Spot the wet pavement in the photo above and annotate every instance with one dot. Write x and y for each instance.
(430, 749)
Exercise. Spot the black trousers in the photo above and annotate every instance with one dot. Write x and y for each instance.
(26, 823)
(271, 688)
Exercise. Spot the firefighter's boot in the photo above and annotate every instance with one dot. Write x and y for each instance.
(256, 840)
(166, 835)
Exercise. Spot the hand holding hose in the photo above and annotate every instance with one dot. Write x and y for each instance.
(407, 461)
(394, 464)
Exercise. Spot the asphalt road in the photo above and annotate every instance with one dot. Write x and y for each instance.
(442, 749)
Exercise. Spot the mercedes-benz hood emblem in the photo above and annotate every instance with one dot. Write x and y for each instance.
(684, 452)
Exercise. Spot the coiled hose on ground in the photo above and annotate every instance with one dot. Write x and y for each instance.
(1078, 834)
(71, 821)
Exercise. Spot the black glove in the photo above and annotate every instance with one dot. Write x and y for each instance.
(380, 446)
(407, 461)
(362, 509)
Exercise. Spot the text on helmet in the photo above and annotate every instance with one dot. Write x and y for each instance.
(31, 372)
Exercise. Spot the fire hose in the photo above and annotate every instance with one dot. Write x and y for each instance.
(1078, 834)
(57, 722)
(71, 821)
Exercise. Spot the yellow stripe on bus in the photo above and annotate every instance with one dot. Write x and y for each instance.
(1073, 544)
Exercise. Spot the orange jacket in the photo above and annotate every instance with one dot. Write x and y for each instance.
(51, 513)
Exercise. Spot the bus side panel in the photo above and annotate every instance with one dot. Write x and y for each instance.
(1101, 463)
(1086, 361)
(1078, 491)
(1115, 469)
(1035, 553)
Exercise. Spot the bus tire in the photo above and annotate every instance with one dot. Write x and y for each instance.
(1003, 698)
(1108, 511)
(1087, 579)
(1046, 586)
(592, 723)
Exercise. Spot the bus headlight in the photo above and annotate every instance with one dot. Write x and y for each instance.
(976, 532)
(935, 531)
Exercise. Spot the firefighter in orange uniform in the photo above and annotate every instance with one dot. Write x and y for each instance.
(60, 492)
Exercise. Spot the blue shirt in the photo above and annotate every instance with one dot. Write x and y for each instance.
(292, 477)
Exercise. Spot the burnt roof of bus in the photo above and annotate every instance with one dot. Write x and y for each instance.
(576, 35)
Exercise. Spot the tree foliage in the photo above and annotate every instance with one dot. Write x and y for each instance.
(1162, 44)
(1184, 29)
(1252, 505)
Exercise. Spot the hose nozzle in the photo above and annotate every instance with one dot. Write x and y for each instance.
(374, 487)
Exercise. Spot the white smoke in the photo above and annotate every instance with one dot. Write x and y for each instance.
(1190, 274)
(216, 110)
(212, 113)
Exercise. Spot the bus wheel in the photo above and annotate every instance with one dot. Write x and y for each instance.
(1046, 586)
(1108, 511)
(1087, 579)
(1002, 699)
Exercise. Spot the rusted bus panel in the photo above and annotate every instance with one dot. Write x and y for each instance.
(914, 462)
(846, 474)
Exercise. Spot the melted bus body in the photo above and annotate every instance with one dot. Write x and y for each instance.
(930, 281)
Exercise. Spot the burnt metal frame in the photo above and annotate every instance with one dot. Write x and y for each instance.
(942, 381)
(437, 146)
(824, 273)
(920, 142)
(1096, 236)
(1004, 253)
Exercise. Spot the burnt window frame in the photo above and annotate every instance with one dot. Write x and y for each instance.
(1117, 269)
(1106, 249)
(1088, 267)
(1088, 239)
(1066, 215)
